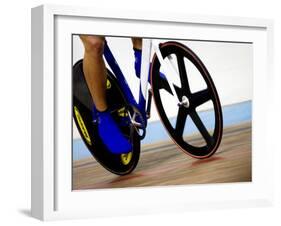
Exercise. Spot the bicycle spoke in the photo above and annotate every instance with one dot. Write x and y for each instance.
(179, 92)
(183, 75)
(201, 127)
(181, 118)
(200, 97)
(163, 84)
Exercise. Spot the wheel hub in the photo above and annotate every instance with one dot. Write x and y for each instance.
(184, 102)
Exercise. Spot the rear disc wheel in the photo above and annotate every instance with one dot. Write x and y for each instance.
(82, 113)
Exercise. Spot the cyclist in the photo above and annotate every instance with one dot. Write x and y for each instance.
(95, 76)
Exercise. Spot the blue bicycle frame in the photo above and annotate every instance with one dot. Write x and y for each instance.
(141, 104)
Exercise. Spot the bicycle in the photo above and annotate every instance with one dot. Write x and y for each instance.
(132, 116)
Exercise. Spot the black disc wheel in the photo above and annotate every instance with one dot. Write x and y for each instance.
(197, 127)
(82, 104)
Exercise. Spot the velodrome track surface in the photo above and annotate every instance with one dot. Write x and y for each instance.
(164, 164)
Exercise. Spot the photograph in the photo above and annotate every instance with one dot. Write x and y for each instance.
(159, 112)
(142, 113)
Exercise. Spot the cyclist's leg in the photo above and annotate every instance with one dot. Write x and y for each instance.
(137, 46)
(95, 75)
(137, 43)
(94, 69)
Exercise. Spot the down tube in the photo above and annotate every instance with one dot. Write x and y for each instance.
(119, 75)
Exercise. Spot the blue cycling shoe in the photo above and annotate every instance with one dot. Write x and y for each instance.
(110, 134)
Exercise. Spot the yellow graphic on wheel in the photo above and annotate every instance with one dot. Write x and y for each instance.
(82, 126)
(122, 112)
(126, 158)
(108, 84)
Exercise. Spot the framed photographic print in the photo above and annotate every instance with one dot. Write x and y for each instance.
(134, 113)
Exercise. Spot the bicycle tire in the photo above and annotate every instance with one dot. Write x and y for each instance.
(210, 93)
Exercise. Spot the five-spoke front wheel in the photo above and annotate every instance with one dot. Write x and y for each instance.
(189, 100)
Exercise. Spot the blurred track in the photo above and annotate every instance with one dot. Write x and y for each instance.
(164, 164)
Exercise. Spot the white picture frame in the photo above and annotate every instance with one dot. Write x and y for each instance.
(52, 197)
